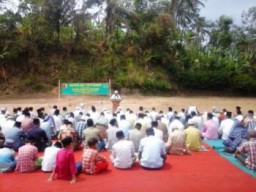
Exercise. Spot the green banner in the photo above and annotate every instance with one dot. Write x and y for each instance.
(84, 89)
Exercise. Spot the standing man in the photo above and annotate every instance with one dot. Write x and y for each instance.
(152, 153)
(116, 99)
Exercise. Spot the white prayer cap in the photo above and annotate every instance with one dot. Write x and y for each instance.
(116, 92)
(239, 118)
(3, 108)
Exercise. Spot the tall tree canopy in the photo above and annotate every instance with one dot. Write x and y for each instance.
(163, 45)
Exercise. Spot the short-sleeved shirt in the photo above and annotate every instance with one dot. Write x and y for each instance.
(250, 148)
(90, 159)
(65, 164)
(123, 154)
(49, 159)
(193, 138)
(152, 149)
(225, 128)
(27, 155)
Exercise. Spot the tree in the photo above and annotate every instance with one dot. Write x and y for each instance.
(58, 13)
(185, 12)
(117, 18)
(221, 35)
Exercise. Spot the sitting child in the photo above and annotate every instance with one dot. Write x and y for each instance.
(93, 162)
(65, 162)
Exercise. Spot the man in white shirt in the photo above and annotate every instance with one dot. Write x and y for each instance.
(158, 133)
(94, 114)
(124, 125)
(111, 133)
(141, 120)
(57, 121)
(152, 153)
(182, 116)
(197, 119)
(132, 118)
(153, 114)
(49, 158)
(176, 123)
(170, 114)
(122, 155)
(7, 124)
(226, 126)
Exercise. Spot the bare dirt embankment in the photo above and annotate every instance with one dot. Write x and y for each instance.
(204, 103)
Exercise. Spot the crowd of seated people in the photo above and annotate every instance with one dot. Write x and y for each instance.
(147, 137)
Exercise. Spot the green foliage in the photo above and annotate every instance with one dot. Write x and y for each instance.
(33, 83)
(148, 46)
(204, 80)
(244, 84)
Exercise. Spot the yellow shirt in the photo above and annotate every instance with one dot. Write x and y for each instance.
(193, 138)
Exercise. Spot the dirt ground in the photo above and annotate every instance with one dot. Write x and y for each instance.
(203, 103)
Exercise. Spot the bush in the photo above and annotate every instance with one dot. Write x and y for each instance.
(244, 84)
(215, 80)
(32, 83)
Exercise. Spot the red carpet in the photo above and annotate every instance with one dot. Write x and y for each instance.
(202, 171)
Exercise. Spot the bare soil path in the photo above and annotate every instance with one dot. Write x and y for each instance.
(203, 103)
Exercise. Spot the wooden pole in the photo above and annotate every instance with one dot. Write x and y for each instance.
(109, 82)
(59, 90)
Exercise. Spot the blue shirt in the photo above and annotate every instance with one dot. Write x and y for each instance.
(7, 160)
(237, 134)
(17, 135)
